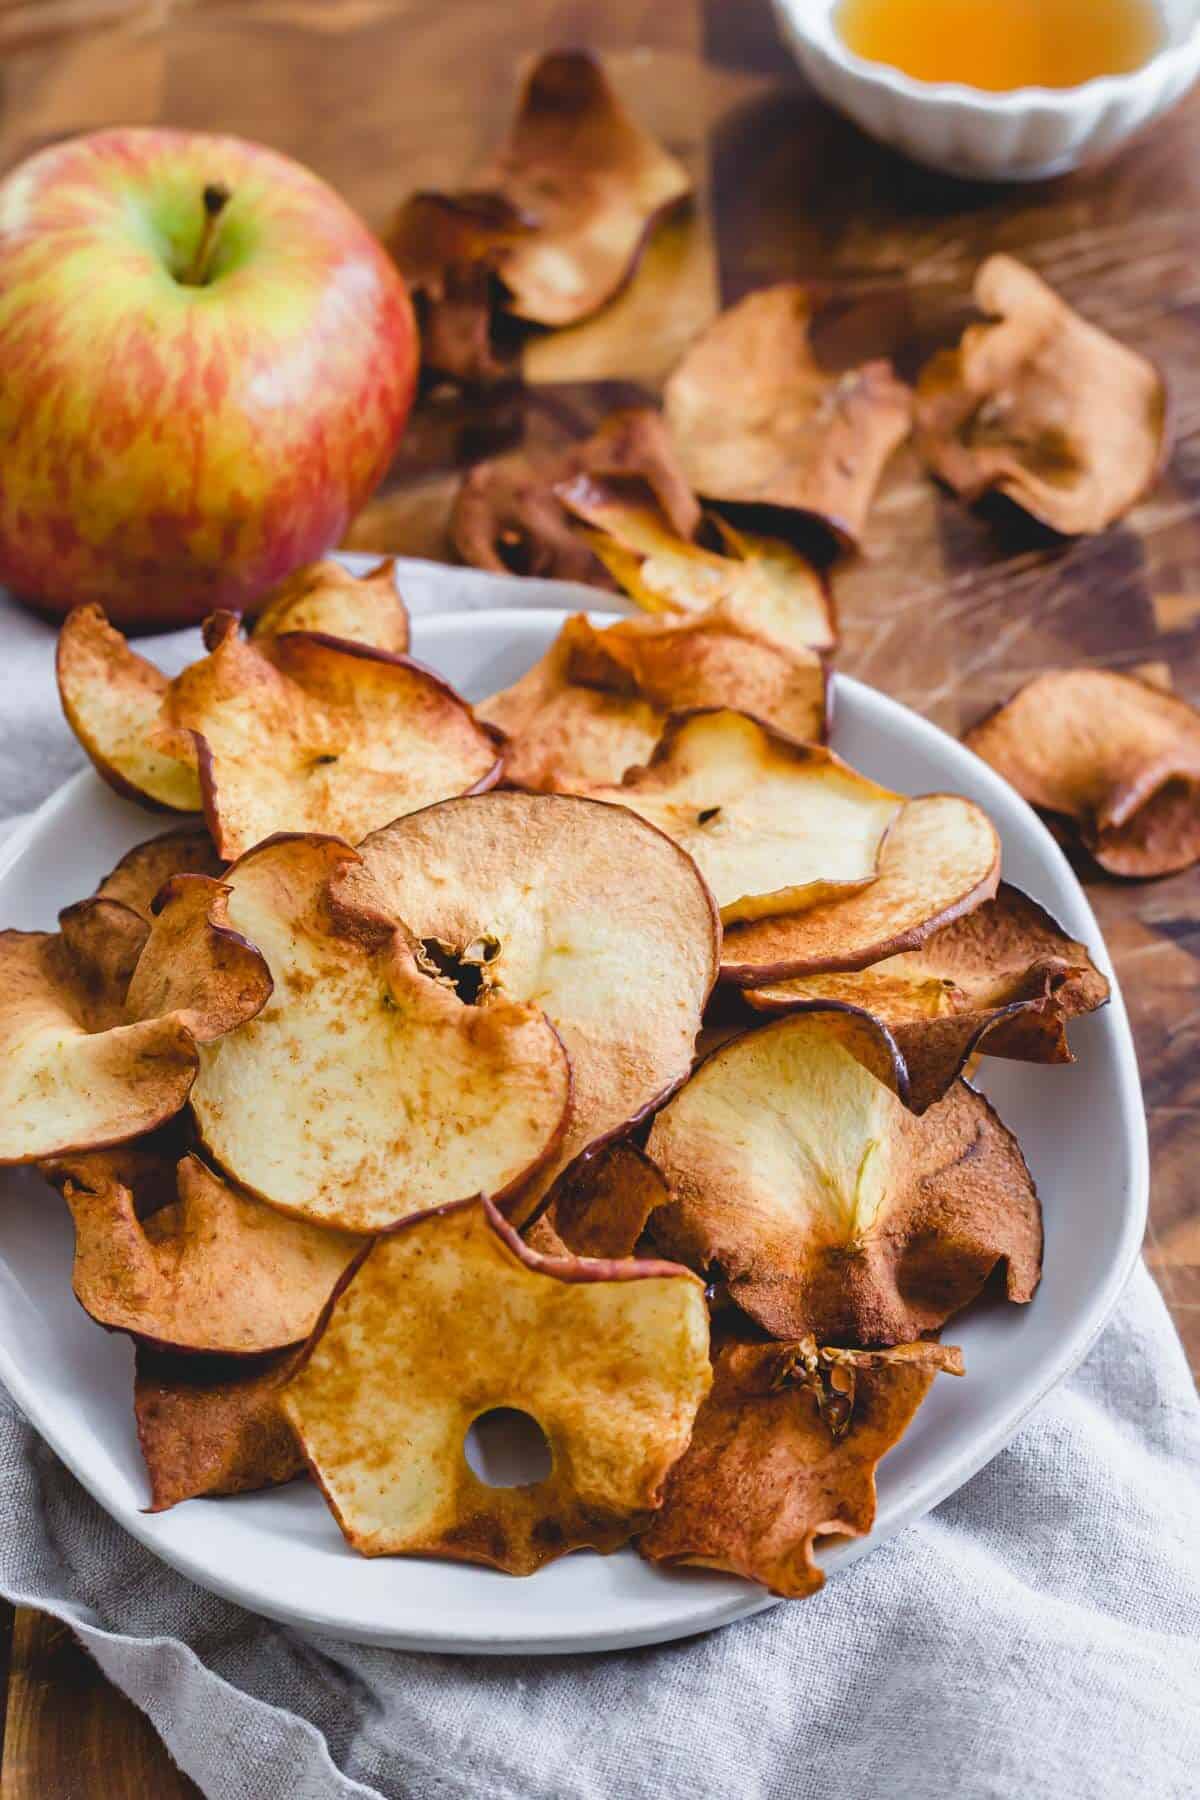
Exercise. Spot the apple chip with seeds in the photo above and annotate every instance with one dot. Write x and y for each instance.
(597, 918)
(325, 597)
(1042, 407)
(756, 419)
(1118, 758)
(774, 826)
(825, 1206)
(213, 1425)
(940, 859)
(368, 1089)
(784, 1453)
(450, 1317)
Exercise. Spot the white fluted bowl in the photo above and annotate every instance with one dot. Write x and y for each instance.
(1022, 135)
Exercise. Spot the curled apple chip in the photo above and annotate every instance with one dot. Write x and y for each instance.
(774, 826)
(1036, 403)
(212, 1425)
(446, 247)
(450, 1317)
(940, 859)
(1005, 979)
(602, 1205)
(824, 1205)
(784, 1453)
(326, 598)
(143, 871)
(756, 419)
(598, 918)
(368, 1089)
(111, 698)
(1119, 758)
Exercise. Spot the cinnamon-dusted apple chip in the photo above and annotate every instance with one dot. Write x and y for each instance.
(940, 859)
(1005, 979)
(1119, 758)
(446, 247)
(213, 1425)
(111, 698)
(826, 1206)
(756, 419)
(1045, 408)
(450, 1317)
(601, 1206)
(325, 597)
(784, 1453)
(774, 826)
(599, 920)
(143, 871)
(368, 1089)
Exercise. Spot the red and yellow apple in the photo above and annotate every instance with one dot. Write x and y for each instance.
(206, 361)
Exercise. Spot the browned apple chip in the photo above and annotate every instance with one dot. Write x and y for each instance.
(601, 1206)
(756, 419)
(804, 1184)
(433, 1329)
(111, 698)
(446, 247)
(599, 920)
(143, 871)
(324, 597)
(369, 1088)
(784, 1453)
(1043, 407)
(773, 825)
(1119, 758)
(940, 859)
(213, 1425)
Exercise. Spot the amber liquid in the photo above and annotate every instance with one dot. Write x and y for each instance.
(1002, 44)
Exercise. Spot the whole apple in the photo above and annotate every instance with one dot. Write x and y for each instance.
(206, 361)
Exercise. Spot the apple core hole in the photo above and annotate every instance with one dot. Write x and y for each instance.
(507, 1448)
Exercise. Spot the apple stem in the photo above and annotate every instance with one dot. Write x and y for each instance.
(216, 199)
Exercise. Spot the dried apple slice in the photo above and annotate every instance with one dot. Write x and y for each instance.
(601, 1206)
(433, 1329)
(940, 859)
(826, 1206)
(774, 826)
(1036, 403)
(327, 598)
(784, 1453)
(756, 419)
(143, 871)
(212, 1425)
(601, 921)
(1119, 758)
(111, 698)
(368, 1090)
(446, 246)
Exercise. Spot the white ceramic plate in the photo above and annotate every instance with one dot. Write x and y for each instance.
(280, 1553)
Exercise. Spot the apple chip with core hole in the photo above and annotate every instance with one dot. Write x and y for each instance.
(368, 1089)
(784, 1453)
(774, 826)
(1004, 979)
(450, 1317)
(213, 1425)
(1119, 758)
(1036, 403)
(756, 419)
(827, 1207)
(324, 597)
(309, 733)
(91, 1054)
(940, 859)
(111, 699)
(598, 919)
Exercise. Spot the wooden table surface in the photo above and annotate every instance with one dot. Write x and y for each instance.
(946, 610)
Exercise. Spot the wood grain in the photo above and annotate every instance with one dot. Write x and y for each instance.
(948, 609)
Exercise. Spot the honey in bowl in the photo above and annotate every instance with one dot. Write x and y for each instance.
(1003, 44)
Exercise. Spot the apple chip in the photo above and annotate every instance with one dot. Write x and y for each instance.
(451, 1317)
(111, 698)
(1119, 758)
(940, 859)
(784, 1453)
(1005, 979)
(597, 918)
(143, 871)
(446, 247)
(804, 1184)
(756, 419)
(212, 1425)
(1041, 406)
(325, 597)
(368, 1089)
(601, 1206)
